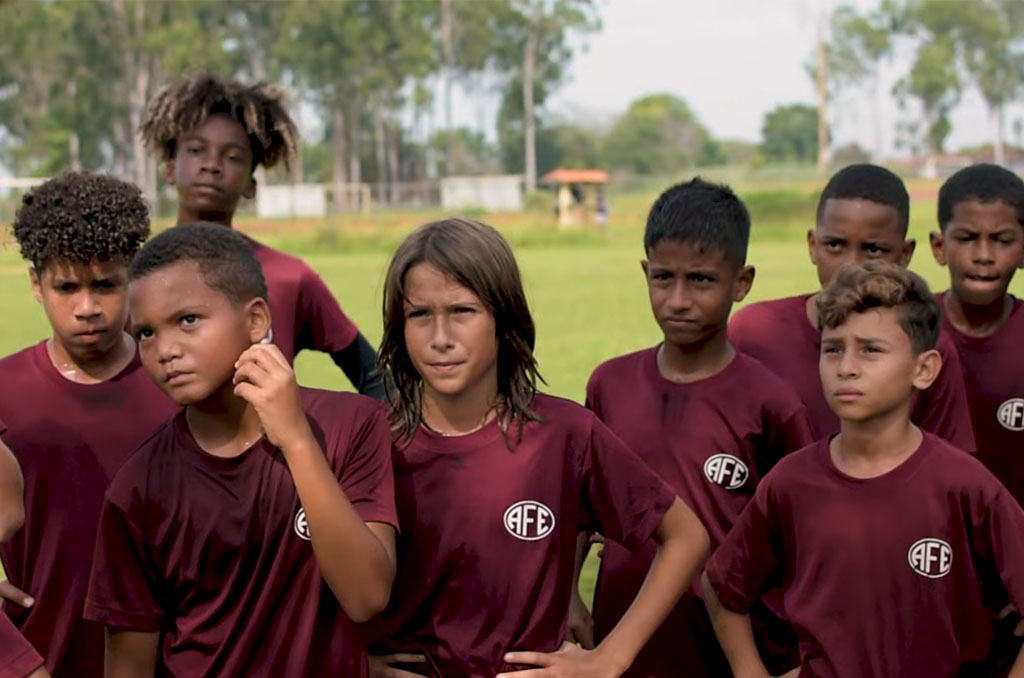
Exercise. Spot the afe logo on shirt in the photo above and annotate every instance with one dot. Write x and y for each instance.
(529, 520)
(726, 471)
(302, 525)
(931, 558)
(1011, 414)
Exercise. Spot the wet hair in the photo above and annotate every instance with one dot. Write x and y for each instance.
(184, 105)
(701, 213)
(868, 182)
(79, 217)
(225, 258)
(477, 257)
(984, 183)
(877, 284)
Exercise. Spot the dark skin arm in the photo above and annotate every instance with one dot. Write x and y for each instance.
(131, 654)
(358, 361)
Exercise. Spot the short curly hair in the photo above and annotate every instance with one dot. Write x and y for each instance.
(185, 104)
(877, 284)
(79, 217)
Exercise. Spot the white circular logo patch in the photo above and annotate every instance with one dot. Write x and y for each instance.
(1011, 414)
(301, 525)
(529, 520)
(726, 471)
(931, 558)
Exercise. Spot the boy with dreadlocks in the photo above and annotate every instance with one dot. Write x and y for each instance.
(212, 135)
(75, 404)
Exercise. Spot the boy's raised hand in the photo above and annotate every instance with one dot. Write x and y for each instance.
(265, 380)
(570, 661)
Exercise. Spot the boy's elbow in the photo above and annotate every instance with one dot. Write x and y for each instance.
(369, 605)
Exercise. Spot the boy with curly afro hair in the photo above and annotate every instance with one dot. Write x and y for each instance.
(75, 404)
(211, 135)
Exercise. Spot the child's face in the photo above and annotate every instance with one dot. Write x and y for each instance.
(856, 231)
(692, 290)
(450, 336)
(983, 245)
(85, 303)
(212, 169)
(869, 368)
(189, 334)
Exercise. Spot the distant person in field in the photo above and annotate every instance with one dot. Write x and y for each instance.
(863, 215)
(494, 481)
(891, 546)
(710, 421)
(601, 209)
(76, 404)
(248, 534)
(18, 659)
(212, 135)
(981, 240)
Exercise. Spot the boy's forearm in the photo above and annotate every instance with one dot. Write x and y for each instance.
(735, 635)
(357, 565)
(1018, 666)
(358, 361)
(684, 546)
(131, 654)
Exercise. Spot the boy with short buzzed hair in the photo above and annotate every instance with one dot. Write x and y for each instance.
(981, 240)
(891, 546)
(76, 404)
(248, 534)
(862, 215)
(211, 135)
(710, 421)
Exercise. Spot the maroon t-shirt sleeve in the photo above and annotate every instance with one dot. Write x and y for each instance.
(366, 474)
(999, 541)
(748, 562)
(942, 408)
(624, 499)
(17, 656)
(790, 433)
(123, 592)
(323, 326)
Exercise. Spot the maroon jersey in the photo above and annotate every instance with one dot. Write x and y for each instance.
(17, 656)
(486, 556)
(994, 377)
(712, 441)
(69, 438)
(889, 576)
(779, 334)
(214, 552)
(304, 313)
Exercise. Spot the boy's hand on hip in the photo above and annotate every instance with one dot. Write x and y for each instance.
(570, 661)
(265, 380)
(9, 591)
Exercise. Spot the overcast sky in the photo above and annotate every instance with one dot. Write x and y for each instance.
(732, 61)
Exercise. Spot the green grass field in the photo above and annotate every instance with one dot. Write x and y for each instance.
(585, 288)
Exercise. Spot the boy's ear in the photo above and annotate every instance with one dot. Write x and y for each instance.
(744, 281)
(258, 314)
(643, 265)
(907, 252)
(938, 244)
(812, 243)
(169, 171)
(37, 285)
(250, 191)
(927, 369)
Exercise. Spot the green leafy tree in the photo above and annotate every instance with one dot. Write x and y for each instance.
(790, 133)
(658, 134)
